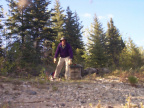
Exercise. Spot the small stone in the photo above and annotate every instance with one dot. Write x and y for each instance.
(62, 104)
(83, 102)
(132, 94)
(31, 92)
(110, 107)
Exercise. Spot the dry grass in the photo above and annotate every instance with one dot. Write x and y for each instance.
(125, 74)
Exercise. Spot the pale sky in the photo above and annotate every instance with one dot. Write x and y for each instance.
(128, 15)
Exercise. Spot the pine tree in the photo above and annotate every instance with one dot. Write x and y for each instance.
(39, 21)
(16, 23)
(73, 30)
(1, 15)
(79, 56)
(39, 25)
(1, 27)
(131, 56)
(28, 26)
(115, 44)
(16, 31)
(31, 22)
(58, 23)
(78, 31)
(96, 45)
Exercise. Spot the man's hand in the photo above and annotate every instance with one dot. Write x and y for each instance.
(54, 60)
(70, 61)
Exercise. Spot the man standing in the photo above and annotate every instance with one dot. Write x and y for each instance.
(66, 55)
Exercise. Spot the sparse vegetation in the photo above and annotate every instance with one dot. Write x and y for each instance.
(54, 88)
(132, 76)
(133, 80)
(4, 106)
(129, 104)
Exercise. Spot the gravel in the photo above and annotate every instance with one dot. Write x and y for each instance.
(109, 93)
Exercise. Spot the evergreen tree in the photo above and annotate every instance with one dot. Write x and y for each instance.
(1, 15)
(79, 56)
(86, 57)
(96, 45)
(114, 43)
(78, 36)
(131, 56)
(39, 25)
(58, 23)
(1, 26)
(16, 23)
(39, 21)
(78, 31)
(16, 32)
(30, 23)
(28, 26)
(73, 30)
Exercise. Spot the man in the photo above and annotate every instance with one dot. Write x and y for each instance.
(66, 55)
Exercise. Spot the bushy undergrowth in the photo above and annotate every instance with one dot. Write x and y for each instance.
(23, 69)
(5, 66)
(131, 75)
(132, 80)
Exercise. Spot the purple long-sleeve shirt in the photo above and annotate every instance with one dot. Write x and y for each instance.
(64, 52)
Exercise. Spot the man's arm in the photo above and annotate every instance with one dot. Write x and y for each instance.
(56, 54)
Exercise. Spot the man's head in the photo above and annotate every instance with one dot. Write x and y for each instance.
(63, 40)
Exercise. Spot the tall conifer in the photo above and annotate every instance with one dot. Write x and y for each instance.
(96, 45)
(114, 43)
(1, 26)
(73, 29)
(39, 26)
(58, 23)
(131, 56)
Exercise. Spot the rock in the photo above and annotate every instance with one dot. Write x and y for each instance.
(110, 107)
(31, 92)
(83, 102)
(63, 104)
(90, 71)
(104, 70)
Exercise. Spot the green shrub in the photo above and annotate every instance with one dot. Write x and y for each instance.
(133, 80)
(54, 88)
(5, 66)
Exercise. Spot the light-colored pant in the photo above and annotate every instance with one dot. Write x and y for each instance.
(60, 65)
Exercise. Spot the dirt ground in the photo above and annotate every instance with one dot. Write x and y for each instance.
(107, 93)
